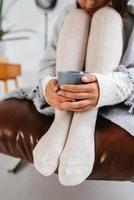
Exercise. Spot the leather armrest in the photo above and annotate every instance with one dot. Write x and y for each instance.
(21, 126)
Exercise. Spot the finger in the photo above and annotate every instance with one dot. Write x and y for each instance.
(73, 95)
(77, 104)
(89, 78)
(76, 88)
(54, 99)
(62, 98)
(79, 88)
(58, 98)
(57, 106)
(83, 109)
(54, 85)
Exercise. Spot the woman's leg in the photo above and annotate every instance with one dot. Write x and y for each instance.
(104, 52)
(71, 52)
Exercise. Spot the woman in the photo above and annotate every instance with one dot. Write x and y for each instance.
(101, 96)
(71, 136)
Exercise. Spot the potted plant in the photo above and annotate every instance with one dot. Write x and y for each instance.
(6, 34)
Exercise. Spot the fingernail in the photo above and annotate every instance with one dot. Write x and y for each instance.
(55, 88)
(85, 78)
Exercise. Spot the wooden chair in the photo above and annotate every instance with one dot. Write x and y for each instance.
(9, 71)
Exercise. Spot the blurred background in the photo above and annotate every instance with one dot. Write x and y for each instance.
(29, 21)
(30, 28)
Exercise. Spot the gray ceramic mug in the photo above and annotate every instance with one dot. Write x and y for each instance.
(71, 77)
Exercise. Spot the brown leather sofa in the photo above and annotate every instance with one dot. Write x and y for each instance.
(21, 126)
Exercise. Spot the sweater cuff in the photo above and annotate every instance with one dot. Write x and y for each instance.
(44, 83)
(107, 94)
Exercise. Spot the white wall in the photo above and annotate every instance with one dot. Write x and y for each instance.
(25, 14)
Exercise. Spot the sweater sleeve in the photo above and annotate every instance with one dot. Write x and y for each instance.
(130, 73)
(118, 86)
(114, 88)
(47, 68)
(44, 83)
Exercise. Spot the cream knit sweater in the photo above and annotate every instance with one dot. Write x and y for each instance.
(116, 89)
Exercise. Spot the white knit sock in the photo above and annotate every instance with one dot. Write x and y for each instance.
(71, 51)
(103, 55)
(76, 161)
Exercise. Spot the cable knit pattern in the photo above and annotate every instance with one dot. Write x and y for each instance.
(113, 88)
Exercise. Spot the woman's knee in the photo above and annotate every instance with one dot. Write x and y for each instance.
(108, 14)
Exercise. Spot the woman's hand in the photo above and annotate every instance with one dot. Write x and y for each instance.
(53, 98)
(86, 95)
